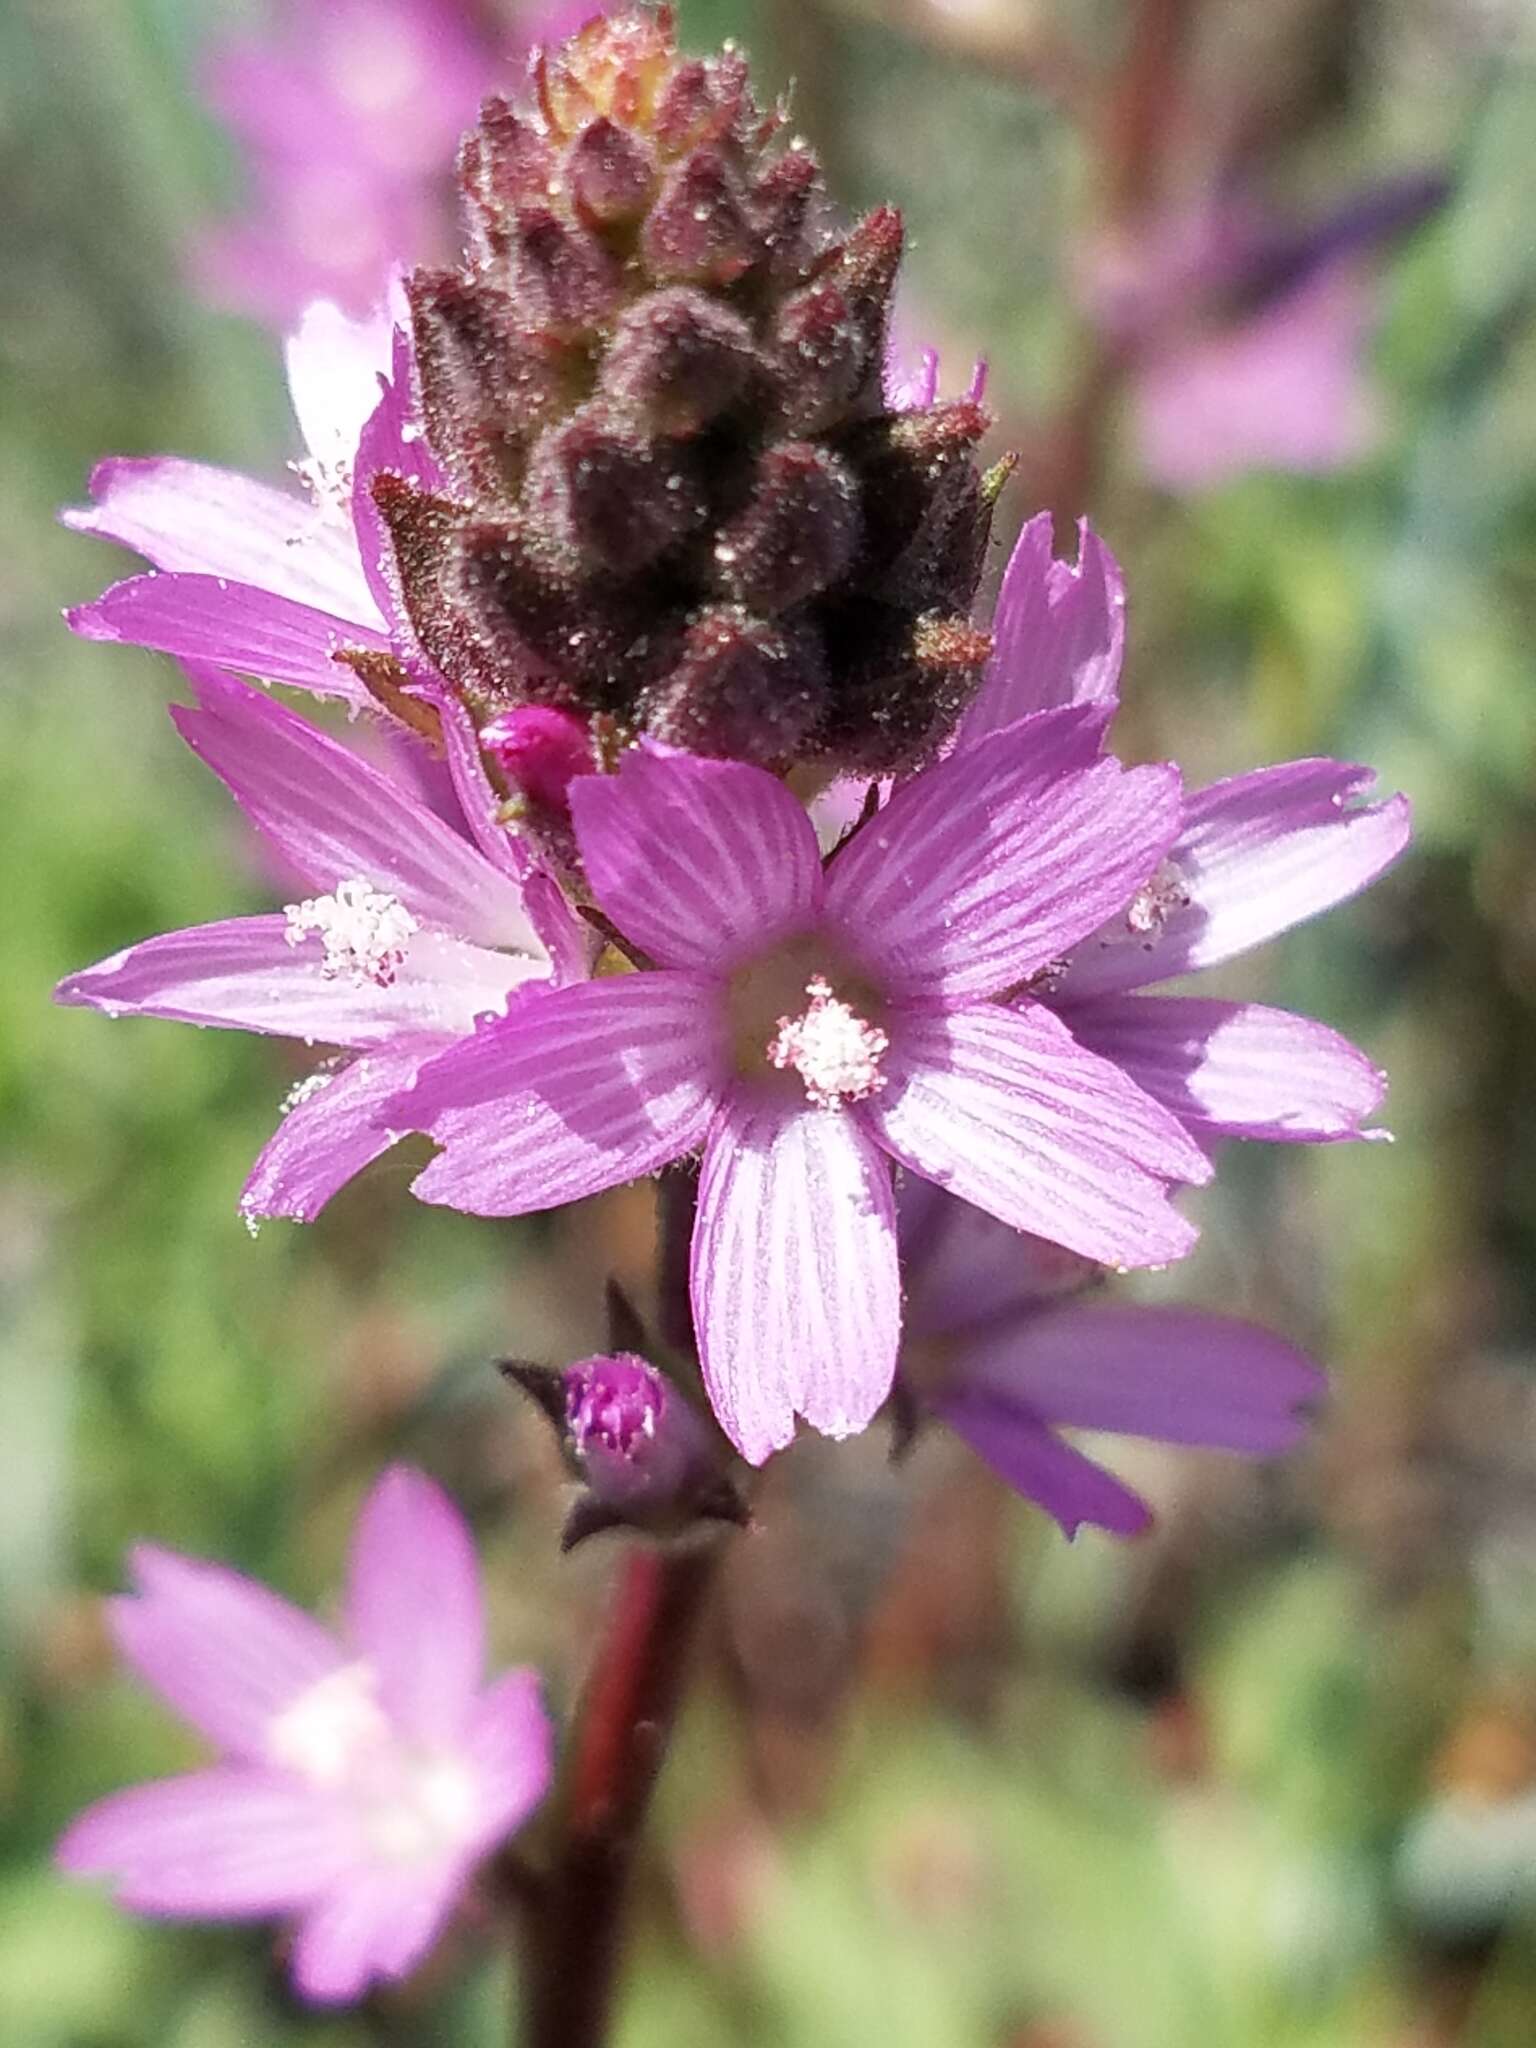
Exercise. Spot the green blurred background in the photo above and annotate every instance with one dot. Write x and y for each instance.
(1264, 1780)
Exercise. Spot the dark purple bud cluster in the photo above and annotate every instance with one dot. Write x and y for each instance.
(678, 499)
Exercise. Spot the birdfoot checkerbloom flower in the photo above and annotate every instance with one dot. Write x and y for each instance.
(412, 932)
(1001, 1345)
(362, 1773)
(808, 1026)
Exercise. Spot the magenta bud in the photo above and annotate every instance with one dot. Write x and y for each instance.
(636, 1440)
(645, 1455)
(538, 750)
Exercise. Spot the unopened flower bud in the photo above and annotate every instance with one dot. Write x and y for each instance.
(678, 360)
(644, 1454)
(567, 281)
(701, 103)
(681, 500)
(698, 231)
(797, 533)
(539, 750)
(617, 500)
(611, 175)
(742, 689)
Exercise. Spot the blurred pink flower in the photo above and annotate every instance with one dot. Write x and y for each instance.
(348, 115)
(362, 1774)
(1247, 337)
(1286, 388)
(1001, 1346)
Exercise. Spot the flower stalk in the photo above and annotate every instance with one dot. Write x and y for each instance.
(573, 1924)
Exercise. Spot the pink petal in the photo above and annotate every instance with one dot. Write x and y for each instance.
(568, 940)
(331, 816)
(1256, 855)
(225, 1652)
(578, 1090)
(1028, 1457)
(963, 1268)
(206, 618)
(510, 1743)
(984, 868)
(795, 1288)
(1006, 1110)
(243, 975)
(1059, 630)
(413, 1605)
(377, 1926)
(696, 861)
(330, 1133)
(188, 517)
(335, 365)
(1172, 1374)
(1235, 1069)
(219, 1844)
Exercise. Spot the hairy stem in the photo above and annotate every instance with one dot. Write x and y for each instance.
(575, 1915)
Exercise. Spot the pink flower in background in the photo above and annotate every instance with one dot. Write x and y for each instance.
(362, 1774)
(1287, 388)
(348, 116)
(412, 932)
(270, 582)
(1247, 337)
(999, 1344)
(806, 1027)
(1254, 856)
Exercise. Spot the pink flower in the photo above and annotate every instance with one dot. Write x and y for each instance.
(266, 581)
(403, 935)
(348, 116)
(1247, 336)
(362, 1775)
(1288, 389)
(1254, 855)
(806, 1027)
(1000, 1347)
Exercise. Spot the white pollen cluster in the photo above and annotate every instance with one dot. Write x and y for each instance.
(832, 1049)
(365, 931)
(1156, 901)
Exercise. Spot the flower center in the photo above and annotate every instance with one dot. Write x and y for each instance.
(411, 1804)
(322, 1734)
(1155, 902)
(365, 931)
(831, 1047)
(806, 1011)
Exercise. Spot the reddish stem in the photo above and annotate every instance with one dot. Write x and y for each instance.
(576, 1920)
